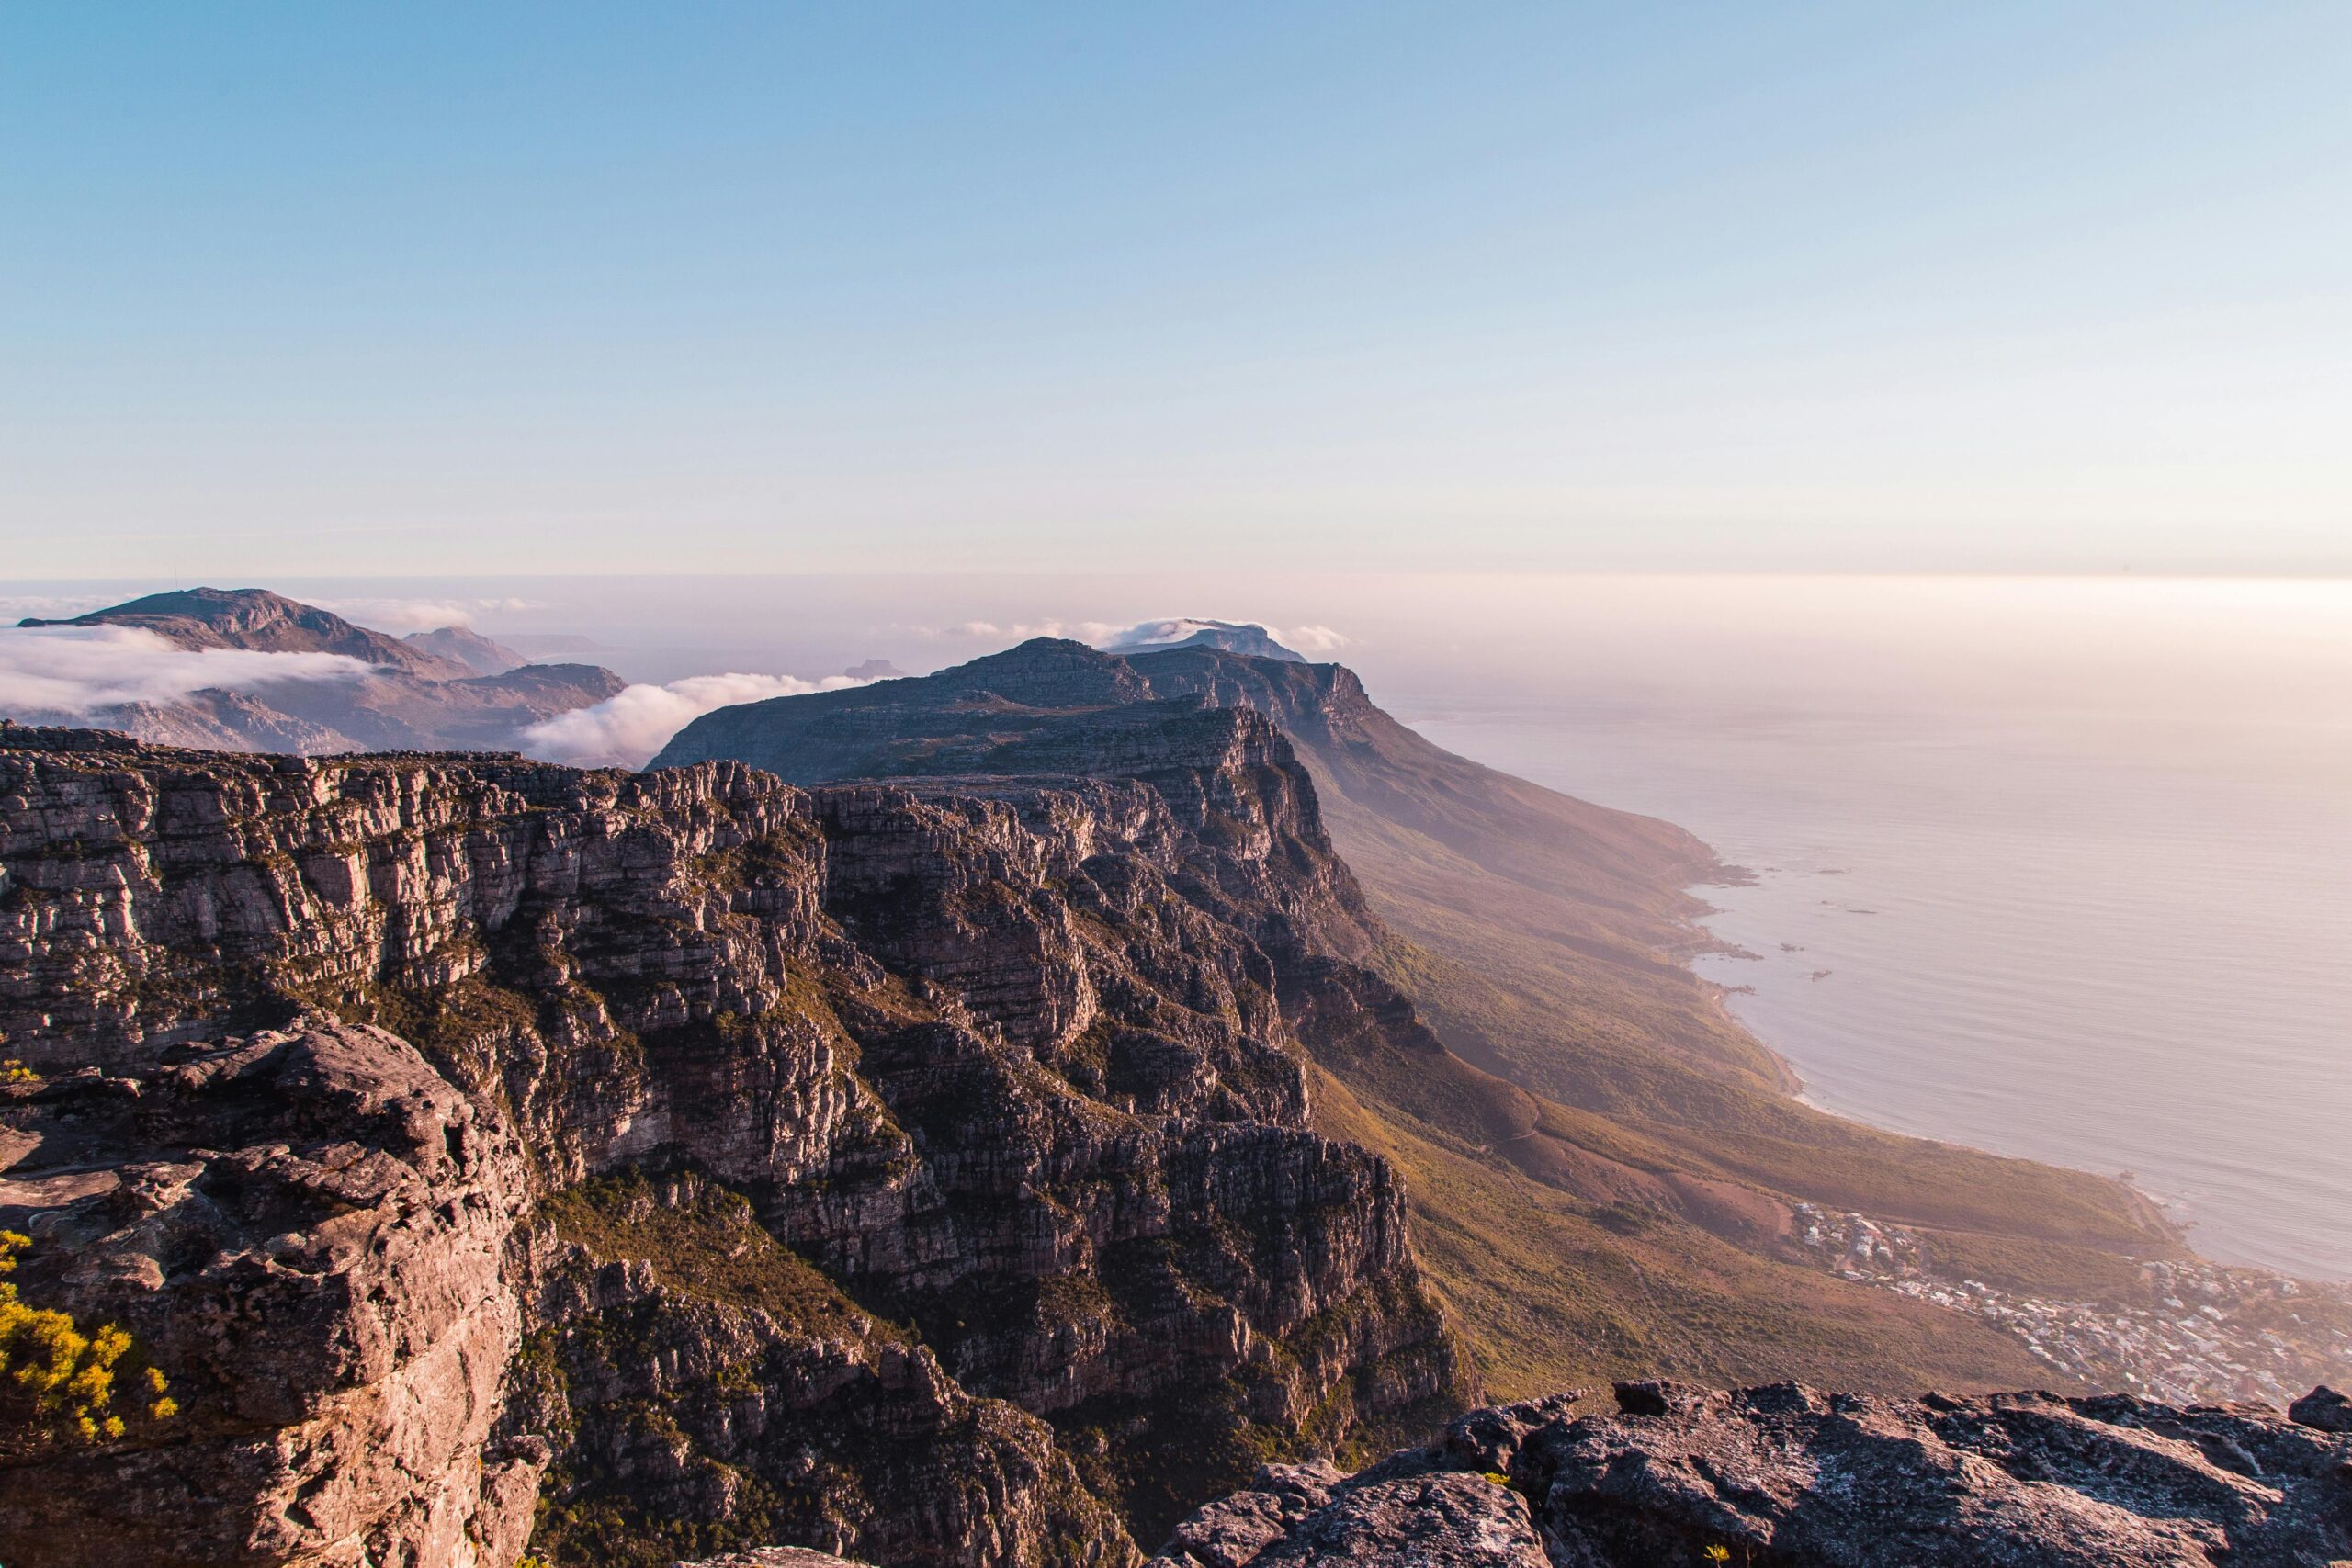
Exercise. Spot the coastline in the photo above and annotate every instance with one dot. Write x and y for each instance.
(2157, 1210)
(2200, 1330)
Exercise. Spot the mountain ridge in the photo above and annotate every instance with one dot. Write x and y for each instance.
(1598, 1113)
(962, 1130)
(447, 688)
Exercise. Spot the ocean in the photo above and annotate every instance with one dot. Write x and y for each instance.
(2057, 869)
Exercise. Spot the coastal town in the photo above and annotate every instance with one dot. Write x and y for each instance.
(2196, 1333)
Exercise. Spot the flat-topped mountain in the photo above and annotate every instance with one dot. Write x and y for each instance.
(449, 688)
(1229, 636)
(1597, 1115)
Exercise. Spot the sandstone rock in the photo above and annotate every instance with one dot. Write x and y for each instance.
(2322, 1408)
(774, 1557)
(1784, 1475)
(307, 1228)
(1015, 1064)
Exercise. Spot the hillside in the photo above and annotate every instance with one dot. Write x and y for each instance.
(1604, 1170)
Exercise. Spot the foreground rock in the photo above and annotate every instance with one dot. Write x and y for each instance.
(307, 1227)
(1786, 1477)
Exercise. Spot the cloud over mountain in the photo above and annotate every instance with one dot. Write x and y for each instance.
(80, 671)
(404, 615)
(624, 731)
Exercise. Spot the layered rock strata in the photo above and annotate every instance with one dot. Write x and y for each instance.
(914, 1173)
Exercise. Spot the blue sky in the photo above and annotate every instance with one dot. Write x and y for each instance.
(492, 289)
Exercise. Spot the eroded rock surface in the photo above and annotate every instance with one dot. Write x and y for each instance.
(1791, 1478)
(308, 1227)
(998, 1082)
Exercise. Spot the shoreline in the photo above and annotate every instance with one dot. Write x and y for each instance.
(2176, 1215)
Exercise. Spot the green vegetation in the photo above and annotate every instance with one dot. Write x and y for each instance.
(1550, 1296)
(704, 1240)
(59, 1382)
(1601, 1174)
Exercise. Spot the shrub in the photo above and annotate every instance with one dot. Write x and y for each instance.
(59, 1381)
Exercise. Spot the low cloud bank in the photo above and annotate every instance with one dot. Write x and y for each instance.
(15, 607)
(1142, 635)
(74, 673)
(624, 731)
(405, 616)
(1022, 631)
(1161, 633)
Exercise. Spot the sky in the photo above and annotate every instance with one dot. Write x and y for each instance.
(441, 290)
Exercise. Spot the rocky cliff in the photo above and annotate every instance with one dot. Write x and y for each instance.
(662, 1165)
(1785, 1477)
(1607, 1172)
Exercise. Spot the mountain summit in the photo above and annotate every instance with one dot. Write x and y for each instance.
(446, 689)
(1183, 631)
(261, 621)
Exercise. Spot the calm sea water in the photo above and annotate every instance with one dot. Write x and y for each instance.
(2100, 916)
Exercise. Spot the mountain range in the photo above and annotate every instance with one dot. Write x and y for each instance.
(448, 688)
(1018, 1115)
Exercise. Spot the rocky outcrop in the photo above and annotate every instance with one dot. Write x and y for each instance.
(308, 1229)
(1790, 1478)
(774, 1557)
(991, 1090)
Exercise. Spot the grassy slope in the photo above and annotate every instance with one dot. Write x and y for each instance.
(1557, 1291)
(1610, 1203)
(1643, 1047)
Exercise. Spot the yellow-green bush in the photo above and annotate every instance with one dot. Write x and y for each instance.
(59, 1382)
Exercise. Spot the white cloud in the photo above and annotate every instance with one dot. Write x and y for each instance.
(1175, 630)
(1309, 639)
(1022, 631)
(52, 607)
(625, 730)
(73, 671)
(405, 616)
(1312, 638)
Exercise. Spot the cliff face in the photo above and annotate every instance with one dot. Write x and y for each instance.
(1784, 1476)
(921, 1173)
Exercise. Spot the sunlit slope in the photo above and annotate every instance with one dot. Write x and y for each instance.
(1543, 937)
(1602, 1165)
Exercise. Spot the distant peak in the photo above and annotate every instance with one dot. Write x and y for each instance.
(1188, 631)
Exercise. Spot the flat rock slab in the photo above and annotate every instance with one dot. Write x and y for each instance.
(1786, 1476)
